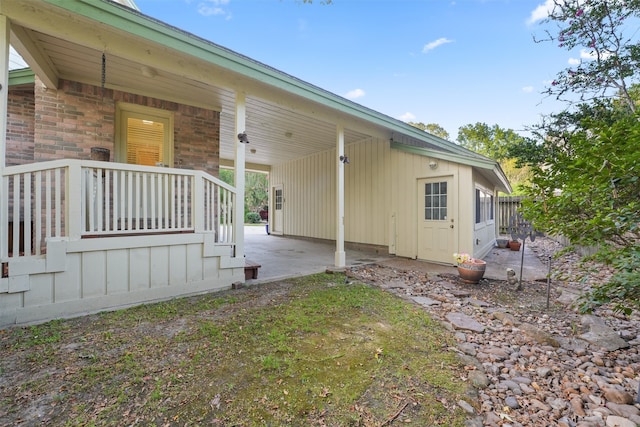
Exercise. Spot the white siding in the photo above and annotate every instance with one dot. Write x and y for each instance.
(98, 279)
(309, 187)
(380, 197)
(407, 169)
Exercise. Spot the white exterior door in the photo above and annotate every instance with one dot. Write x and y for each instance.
(277, 218)
(436, 226)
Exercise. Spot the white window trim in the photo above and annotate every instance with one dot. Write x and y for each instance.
(485, 219)
(124, 110)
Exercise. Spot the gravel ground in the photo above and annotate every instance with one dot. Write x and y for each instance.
(531, 358)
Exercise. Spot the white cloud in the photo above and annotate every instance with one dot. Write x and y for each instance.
(588, 55)
(527, 89)
(213, 8)
(591, 55)
(355, 93)
(434, 44)
(407, 117)
(541, 12)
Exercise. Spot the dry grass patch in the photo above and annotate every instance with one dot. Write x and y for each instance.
(310, 351)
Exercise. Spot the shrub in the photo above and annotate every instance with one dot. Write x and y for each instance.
(252, 218)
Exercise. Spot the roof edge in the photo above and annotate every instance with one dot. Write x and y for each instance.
(135, 22)
(21, 77)
(477, 161)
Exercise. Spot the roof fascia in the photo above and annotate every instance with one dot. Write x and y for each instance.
(127, 20)
(21, 77)
(484, 163)
(477, 161)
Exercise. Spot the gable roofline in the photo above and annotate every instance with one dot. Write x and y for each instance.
(134, 22)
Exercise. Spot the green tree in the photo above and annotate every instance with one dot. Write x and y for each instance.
(496, 143)
(491, 141)
(586, 160)
(606, 33)
(587, 190)
(432, 128)
(226, 175)
(256, 191)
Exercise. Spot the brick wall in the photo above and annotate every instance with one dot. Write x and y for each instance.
(73, 119)
(20, 126)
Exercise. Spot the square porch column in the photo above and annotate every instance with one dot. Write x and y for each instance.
(340, 255)
(239, 172)
(4, 94)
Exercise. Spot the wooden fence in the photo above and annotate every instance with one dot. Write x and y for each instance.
(507, 206)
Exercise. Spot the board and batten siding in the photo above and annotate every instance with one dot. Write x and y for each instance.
(407, 169)
(309, 188)
(150, 269)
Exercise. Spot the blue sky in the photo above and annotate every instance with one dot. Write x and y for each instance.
(433, 61)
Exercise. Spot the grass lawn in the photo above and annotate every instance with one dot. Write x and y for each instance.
(313, 351)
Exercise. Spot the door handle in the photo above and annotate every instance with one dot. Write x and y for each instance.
(451, 226)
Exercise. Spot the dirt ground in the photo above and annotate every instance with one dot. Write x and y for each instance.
(34, 371)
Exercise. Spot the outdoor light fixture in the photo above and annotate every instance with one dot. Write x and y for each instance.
(433, 164)
(344, 159)
(242, 137)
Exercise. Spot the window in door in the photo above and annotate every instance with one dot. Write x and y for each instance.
(278, 200)
(435, 201)
(145, 136)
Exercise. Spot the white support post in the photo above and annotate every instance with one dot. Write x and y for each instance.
(239, 179)
(340, 256)
(198, 202)
(74, 196)
(4, 90)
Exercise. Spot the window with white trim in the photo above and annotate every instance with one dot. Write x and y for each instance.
(484, 206)
(145, 135)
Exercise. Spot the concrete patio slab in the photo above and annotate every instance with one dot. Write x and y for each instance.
(283, 257)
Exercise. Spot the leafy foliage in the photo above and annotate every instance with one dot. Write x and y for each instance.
(623, 290)
(496, 143)
(432, 128)
(609, 58)
(252, 218)
(586, 161)
(490, 141)
(587, 190)
(256, 192)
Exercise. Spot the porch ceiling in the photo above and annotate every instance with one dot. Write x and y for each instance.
(280, 126)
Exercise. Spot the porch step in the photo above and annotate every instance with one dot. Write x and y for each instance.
(250, 270)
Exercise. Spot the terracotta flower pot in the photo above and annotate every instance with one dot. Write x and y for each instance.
(514, 245)
(472, 272)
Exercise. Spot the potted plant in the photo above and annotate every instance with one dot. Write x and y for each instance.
(470, 269)
(264, 213)
(502, 243)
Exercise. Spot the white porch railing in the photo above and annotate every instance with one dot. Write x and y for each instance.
(79, 199)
